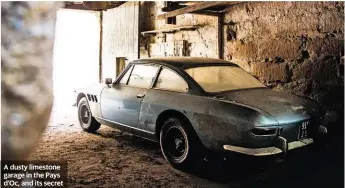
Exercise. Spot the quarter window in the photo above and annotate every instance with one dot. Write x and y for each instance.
(142, 76)
(169, 80)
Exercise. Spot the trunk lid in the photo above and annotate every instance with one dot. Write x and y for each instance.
(285, 108)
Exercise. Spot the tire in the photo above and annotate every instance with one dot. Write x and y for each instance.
(179, 143)
(86, 121)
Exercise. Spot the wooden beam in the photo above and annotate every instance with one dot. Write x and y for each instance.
(202, 12)
(93, 5)
(195, 7)
(172, 8)
(172, 30)
(220, 37)
(100, 47)
(207, 12)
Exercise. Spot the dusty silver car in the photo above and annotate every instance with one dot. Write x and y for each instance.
(187, 104)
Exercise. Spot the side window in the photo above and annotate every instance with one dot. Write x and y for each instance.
(126, 76)
(169, 80)
(142, 76)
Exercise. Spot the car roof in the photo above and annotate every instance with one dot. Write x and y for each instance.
(184, 62)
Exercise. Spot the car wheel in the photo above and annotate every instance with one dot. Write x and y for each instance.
(178, 143)
(87, 122)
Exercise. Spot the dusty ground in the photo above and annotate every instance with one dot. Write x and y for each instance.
(110, 158)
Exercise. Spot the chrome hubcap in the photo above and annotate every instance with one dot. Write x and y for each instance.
(175, 143)
(84, 114)
(179, 145)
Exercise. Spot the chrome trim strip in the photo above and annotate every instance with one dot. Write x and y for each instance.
(268, 150)
(253, 151)
(300, 143)
(124, 125)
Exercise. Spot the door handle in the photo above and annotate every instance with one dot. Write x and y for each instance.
(140, 95)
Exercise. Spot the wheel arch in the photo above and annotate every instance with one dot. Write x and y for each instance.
(80, 96)
(163, 116)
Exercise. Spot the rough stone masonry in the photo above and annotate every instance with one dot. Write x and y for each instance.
(295, 47)
(27, 36)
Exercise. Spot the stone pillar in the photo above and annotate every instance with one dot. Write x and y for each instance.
(27, 36)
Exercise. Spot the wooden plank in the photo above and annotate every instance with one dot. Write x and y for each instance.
(120, 36)
(170, 30)
(201, 12)
(195, 7)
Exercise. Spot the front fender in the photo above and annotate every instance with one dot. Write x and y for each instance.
(93, 96)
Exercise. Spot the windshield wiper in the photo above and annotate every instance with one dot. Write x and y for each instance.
(219, 97)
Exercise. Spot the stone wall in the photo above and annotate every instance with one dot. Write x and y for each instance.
(202, 42)
(27, 36)
(294, 47)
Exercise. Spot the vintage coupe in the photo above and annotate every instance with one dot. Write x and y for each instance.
(187, 104)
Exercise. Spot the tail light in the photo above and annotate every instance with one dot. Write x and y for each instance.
(264, 131)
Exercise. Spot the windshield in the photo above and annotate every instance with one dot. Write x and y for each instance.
(223, 78)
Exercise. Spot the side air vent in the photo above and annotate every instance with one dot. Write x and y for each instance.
(92, 98)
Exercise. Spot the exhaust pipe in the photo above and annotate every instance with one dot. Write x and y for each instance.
(323, 130)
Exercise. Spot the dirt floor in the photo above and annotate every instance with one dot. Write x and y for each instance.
(111, 158)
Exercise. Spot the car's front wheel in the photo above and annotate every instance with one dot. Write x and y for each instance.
(86, 121)
(178, 143)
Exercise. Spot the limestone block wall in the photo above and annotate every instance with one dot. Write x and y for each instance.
(294, 47)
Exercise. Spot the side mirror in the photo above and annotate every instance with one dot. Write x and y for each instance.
(108, 81)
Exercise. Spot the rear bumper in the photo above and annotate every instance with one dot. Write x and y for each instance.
(282, 146)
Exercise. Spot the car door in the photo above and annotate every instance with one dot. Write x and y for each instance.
(168, 84)
(121, 102)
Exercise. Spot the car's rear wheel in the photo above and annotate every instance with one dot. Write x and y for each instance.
(86, 121)
(178, 143)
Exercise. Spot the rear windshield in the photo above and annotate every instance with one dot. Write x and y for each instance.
(223, 78)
